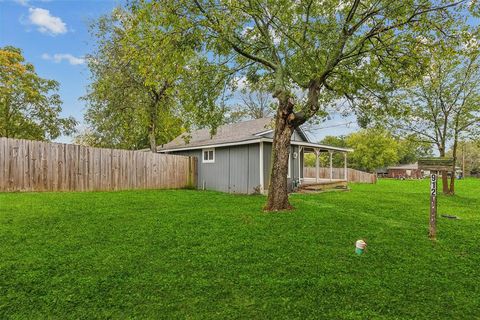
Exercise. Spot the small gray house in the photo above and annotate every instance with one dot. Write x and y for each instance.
(237, 159)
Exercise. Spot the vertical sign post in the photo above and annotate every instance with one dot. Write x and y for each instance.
(434, 165)
(433, 206)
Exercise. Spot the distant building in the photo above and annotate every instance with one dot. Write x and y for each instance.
(405, 171)
(381, 173)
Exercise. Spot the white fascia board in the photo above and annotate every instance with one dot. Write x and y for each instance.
(320, 146)
(261, 133)
(304, 133)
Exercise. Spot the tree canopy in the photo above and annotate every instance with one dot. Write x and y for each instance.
(307, 54)
(468, 153)
(29, 105)
(442, 106)
(142, 92)
(373, 148)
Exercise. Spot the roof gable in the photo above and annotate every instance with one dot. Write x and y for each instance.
(298, 135)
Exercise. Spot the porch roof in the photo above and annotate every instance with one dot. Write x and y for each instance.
(321, 147)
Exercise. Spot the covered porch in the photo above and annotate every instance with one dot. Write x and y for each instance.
(321, 177)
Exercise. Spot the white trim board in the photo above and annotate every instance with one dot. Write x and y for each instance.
(260, 169)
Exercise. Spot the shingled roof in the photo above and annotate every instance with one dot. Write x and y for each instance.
(228, 133)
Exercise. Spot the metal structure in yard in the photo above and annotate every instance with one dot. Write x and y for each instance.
(434, 165)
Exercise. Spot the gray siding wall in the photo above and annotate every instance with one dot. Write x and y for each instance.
(235, 170)
(294, 164)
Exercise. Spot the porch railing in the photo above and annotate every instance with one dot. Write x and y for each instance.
(339, 174)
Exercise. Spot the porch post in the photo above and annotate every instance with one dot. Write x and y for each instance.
(345, 174)
(262, 187)
(300, 167)
(331, 165)
(317, 164)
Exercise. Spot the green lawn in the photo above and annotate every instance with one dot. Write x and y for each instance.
(207, 255)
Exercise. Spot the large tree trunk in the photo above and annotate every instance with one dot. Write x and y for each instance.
(452, 181)
(152, 130)
(454, 155)
(278, 189)
(152, 140)
(445, 187)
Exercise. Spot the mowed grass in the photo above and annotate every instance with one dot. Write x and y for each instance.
(206, 255)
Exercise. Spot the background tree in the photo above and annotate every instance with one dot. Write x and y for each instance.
(337, 159)
(327, 49)
(29, 105)
(255, 104)
(142, 93)
(373, 148)
(444, 105)
(468, 153)
(411, 148)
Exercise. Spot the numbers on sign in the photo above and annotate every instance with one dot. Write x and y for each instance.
(433, 206)
(433, 185)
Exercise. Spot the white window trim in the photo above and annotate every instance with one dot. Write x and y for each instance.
(203, 155)
(289, 165)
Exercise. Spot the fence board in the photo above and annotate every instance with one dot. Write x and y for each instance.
(339, 173)
(42, 166)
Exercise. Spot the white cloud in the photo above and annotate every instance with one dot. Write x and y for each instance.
(46, 22)
(59, 57)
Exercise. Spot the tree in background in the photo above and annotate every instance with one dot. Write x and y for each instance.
(468, 153)
(411, 148)
(443, 106)
(29, 105)
(142, 92)
(324, 158)
(256, 104)
(373, 148)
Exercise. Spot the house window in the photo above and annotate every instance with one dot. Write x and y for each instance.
(208, 155)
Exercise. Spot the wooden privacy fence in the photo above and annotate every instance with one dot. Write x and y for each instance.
(339, 173)
(41, 166)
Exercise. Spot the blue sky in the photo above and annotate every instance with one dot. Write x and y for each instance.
(53, 36)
